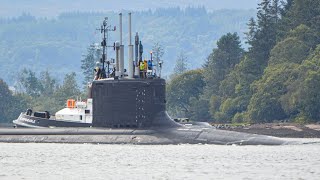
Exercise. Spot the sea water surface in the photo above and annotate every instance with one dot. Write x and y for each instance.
(89, 161)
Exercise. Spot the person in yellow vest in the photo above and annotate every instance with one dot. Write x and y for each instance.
(141, 65)
(145, 62)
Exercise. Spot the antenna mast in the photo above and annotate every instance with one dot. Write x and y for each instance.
(105, 28)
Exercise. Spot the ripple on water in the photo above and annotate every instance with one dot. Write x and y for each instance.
(87, 161)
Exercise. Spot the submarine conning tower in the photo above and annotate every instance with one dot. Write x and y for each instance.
(133, 100)
(130, 103)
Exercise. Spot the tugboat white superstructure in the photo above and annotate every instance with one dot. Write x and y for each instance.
(76, 114)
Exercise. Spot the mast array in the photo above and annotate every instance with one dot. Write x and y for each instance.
(105, 28)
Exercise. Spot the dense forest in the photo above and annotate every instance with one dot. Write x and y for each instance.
(275, 76)
(276, 79)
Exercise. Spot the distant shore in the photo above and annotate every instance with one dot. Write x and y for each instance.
(285, 130)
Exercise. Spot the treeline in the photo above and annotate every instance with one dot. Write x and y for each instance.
(58, 43)
(277, 78)
(39, 92)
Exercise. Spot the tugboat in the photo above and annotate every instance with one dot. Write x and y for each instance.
(76, 114)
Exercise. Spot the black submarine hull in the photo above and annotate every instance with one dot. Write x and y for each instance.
(183, 135)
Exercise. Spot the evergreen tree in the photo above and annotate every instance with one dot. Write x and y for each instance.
(48, 84)
(88, 63)
(181, 64)
(251, 34)
(68, 90)
(10, 105)
(30, 83)
(266, 33)
(221, 61)
(6, 100)
(299, 12)
(157, 52)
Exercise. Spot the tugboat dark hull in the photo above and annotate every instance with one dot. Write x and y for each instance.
(36, 122)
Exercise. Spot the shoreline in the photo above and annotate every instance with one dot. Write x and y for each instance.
(282, 130)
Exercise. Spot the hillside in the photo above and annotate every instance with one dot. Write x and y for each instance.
(58, 44)
(52, 8)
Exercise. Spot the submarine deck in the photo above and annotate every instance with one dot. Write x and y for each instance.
(136, 136)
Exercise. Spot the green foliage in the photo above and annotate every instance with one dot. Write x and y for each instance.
(305, 34)
(10, 105)
(68, 90)
(239, 118)
(221, 61)
(30, 83)
(51, 97)
(182, 88)
(214, 103)
(199, 110)
(265, 108)
(181, 64)
(302, 12)
(290, 50)
(88, 63)
(278, 78)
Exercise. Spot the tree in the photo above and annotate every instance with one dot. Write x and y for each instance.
(199, 109)
(251, 34)
(305, 94)
(181, 89)
(290, 50)
(88, 63)
(30, 83)
(267, 102)
(48, 84)
(10, 105)
(299, 12)
(68, 90)
(267, 18)
(157, 52)
(221, 61)
(181, 64)
(6, 100)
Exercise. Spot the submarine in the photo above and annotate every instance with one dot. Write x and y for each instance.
(123, 107)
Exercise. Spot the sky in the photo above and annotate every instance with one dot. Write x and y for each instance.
(51, 8)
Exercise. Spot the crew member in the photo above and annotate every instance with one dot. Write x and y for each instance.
(97, 71)
(145, 68)
(141, 69)
(149, 65)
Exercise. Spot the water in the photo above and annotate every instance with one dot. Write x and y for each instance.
(88, 161)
